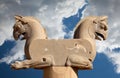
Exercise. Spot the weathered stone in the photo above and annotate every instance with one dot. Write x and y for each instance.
(54, 56)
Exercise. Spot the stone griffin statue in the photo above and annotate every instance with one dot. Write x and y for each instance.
(41, 52)
(30, 29)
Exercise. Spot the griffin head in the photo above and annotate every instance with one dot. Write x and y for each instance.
(19, 28)
(101, 28)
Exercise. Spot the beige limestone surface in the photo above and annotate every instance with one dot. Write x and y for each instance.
(60, 58)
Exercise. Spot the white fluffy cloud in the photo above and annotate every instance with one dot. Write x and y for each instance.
(111, 9)
(50, 13)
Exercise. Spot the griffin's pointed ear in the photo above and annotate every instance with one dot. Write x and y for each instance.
(95, 21)
(18, 17)
(103, 18)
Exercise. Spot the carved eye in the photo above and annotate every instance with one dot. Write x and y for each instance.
(102, 26)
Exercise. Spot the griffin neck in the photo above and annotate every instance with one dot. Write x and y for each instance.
(86, 30)
(34, 31)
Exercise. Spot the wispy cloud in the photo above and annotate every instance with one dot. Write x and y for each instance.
(16, 53)
(50, 13)
(111, 9)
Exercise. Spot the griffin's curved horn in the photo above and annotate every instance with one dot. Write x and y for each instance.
(104, 18)
(95, 21)
(18, 17)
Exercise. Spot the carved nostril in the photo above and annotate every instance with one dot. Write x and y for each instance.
(90, 60)
(44, 59)
(23, 33)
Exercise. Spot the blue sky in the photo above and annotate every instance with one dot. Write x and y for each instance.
(59, 24)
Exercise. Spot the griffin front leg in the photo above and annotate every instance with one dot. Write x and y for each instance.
(21, 64)
(39, 63)
(79, 62)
